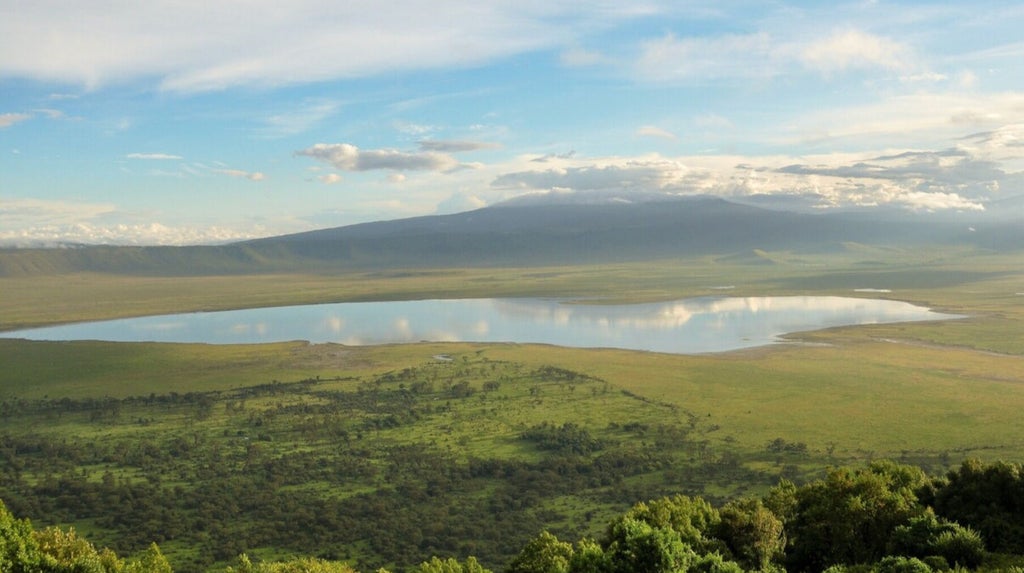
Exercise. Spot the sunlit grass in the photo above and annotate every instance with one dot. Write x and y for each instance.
(930, 393)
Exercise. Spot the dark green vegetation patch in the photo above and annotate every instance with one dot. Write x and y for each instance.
(443, 458)
(885, 518)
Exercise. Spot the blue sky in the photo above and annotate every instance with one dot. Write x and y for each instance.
(186, 122)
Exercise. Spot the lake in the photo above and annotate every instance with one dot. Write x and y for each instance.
(694, 325)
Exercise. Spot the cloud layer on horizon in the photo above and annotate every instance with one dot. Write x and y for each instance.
(340, 113)
(951, 179)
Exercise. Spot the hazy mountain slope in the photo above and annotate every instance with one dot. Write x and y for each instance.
(522, 234)
(549, 234)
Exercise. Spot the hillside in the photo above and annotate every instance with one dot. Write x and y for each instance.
(525, 235)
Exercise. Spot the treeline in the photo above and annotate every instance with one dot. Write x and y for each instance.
(428, 502)
(372, 471)
(885, 518)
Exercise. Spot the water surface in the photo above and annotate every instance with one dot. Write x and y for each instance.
(695, 325)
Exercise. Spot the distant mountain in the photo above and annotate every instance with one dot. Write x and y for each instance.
(529, 233)
(516, 233)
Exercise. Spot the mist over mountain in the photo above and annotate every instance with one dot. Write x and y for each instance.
(542, 230)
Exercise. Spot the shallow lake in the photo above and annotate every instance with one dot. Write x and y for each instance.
(695, 325)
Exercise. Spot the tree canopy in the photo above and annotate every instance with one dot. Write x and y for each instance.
(884, 518)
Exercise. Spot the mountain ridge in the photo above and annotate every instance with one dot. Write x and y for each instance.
(516, 234)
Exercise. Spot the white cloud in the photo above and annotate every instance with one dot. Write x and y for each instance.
(18, 213)
(348, 157)
(670, 58)
(925, 78)
(578, 57)
(122, 234)
(299, 120)
(154, 156)
(195, 46)
(961, 177)
(9, 119)
(763, 55)
(906, 120)
(455, 146)
(415, 129)
(50, 113)
(997, 140)
(587, 175)
(330, 178)
(39, 222)
(238, 173)
(713, 121)
(967, 80)
(854, 49)
(459, 202)
(652, 131)
(920, 200)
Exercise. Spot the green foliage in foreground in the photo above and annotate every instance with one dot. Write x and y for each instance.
(54, 550)
(384, 457)
(871, 520)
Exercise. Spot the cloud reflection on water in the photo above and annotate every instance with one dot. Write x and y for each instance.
(708, 324)
(676, 314)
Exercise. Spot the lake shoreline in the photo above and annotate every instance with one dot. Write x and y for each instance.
(697, 325)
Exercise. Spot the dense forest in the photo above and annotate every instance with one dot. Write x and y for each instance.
(886, 518)
(465, 456)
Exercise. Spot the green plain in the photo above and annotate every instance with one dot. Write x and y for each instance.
(928, 393)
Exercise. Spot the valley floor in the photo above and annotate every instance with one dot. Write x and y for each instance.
(386, 455)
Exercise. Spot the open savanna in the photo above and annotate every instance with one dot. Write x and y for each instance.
(388, 454)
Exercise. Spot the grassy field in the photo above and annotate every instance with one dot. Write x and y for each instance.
(354, 419)
(872, 375)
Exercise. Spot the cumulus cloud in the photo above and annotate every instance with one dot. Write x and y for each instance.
(348, 157)
(949, 167)
(635, 174)
(154, 156)
(963, 177)
(920, 180)
(459, 202)
(330, 178)
(9, 119)
(971, 172)
(1008, 138)
(455, 146)
(238, 173)
(920, 200)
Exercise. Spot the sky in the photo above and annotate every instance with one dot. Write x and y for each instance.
(185, 122)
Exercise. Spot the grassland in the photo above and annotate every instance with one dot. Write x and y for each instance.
(717, 425)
